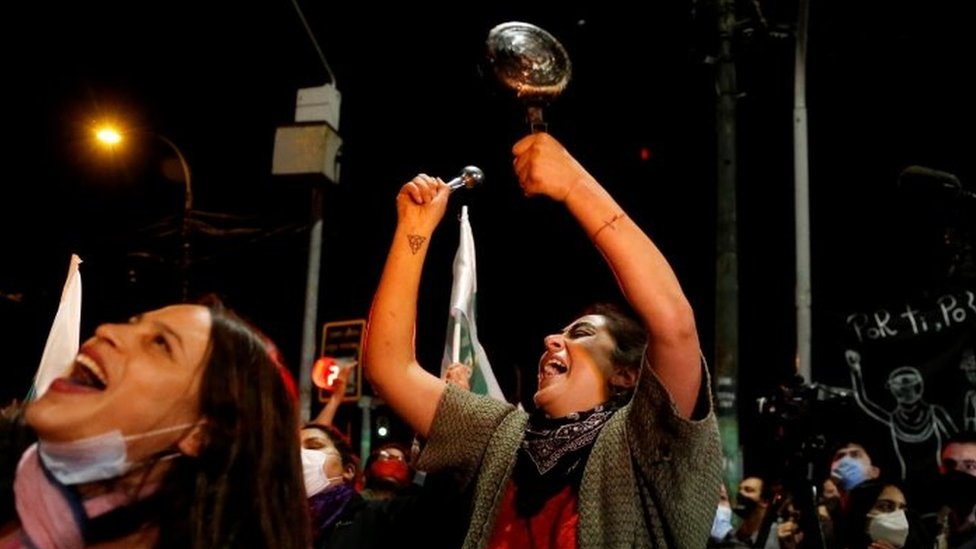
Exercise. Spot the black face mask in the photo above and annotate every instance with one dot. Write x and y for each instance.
(958, 491)
(744, 507)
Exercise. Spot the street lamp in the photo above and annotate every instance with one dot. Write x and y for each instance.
(112, 137)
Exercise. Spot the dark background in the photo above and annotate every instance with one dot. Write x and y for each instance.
(886, 89)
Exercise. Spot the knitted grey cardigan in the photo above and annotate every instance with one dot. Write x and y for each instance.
(652, 479)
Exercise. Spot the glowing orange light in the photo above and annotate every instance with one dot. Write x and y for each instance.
(324, 372)
(109, 136)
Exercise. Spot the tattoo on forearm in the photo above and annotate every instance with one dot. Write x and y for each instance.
(609, 223)
(416, 241)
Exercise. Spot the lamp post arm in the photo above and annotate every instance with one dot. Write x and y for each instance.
(187, 208)
(185, 166)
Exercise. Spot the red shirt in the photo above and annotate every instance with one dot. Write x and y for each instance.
(553, 527)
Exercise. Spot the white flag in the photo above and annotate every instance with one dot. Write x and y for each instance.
(462, 345)
(65, 335)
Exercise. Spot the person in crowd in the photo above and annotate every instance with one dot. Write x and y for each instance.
(787, 530)
(959, 454)
(622, 448)
(877, 516)
(955, 526)
(828, 505)
(343, 518)
(830, 496)
(174, 429)
(331, 470)
(751, 505)
(770, 517)
(388, 471)
(850, 466)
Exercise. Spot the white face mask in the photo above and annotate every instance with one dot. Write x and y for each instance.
(890, 527)
(313, 471)
(94, 458)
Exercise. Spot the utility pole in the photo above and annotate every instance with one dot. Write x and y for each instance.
(311, 147)
(727, 260)
(801, 196)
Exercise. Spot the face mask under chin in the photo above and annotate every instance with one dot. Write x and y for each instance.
(99, 457)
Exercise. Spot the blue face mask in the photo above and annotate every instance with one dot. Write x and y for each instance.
(849, 472)
(722, 524)
(94, 458)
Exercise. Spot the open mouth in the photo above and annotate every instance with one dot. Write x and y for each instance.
(85, 372)
(552, 368)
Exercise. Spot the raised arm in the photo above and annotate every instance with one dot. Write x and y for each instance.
(327, 414)
(646, 279)
(870, 408)
(390, 358)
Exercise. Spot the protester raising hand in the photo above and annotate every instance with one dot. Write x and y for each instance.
(612, 388)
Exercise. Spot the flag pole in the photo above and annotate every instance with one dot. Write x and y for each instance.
(456, 344)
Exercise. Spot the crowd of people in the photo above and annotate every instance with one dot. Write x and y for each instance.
(180, 428)
(857, 506)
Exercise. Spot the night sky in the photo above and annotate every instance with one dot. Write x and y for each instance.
(886, 90)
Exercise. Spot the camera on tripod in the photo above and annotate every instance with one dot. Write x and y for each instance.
(796, 414)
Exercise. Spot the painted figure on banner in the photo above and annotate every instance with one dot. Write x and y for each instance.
(967, 363)
(918, 428)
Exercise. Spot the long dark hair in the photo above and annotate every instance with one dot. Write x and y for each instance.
(245, 487)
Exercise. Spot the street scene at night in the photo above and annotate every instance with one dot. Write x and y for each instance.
(802, 172)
